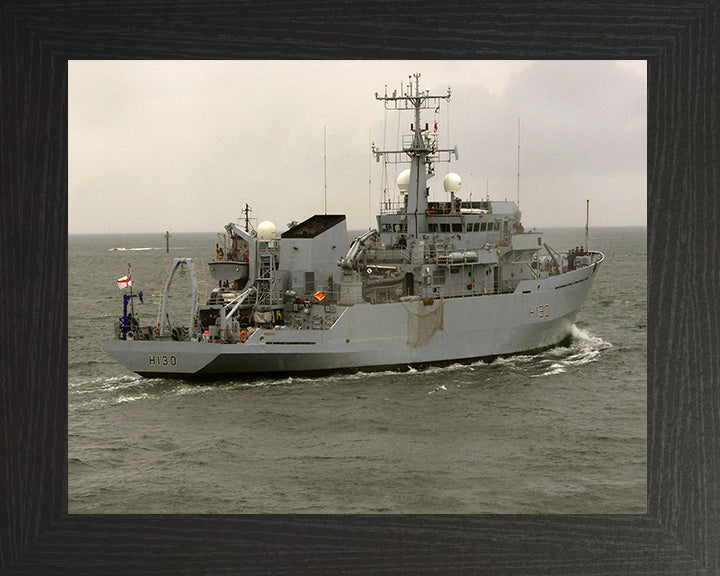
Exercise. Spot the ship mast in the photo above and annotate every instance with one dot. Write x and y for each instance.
(420, 147)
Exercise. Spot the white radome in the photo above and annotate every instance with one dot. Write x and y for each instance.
(452, 182)
(266, 231)
(403, 181)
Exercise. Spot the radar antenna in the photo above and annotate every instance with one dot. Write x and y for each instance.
(419, 147)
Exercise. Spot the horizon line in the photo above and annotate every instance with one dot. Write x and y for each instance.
(349, 229)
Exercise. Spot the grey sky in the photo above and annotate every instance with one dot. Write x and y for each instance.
(181, 146)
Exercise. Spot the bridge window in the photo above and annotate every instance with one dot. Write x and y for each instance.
(482, 227)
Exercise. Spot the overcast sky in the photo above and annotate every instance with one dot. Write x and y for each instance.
(181, 146)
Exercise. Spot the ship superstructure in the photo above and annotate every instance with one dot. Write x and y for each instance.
(436, 282)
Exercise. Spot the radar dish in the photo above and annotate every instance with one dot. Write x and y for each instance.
(266, 231)
(452, 182)
(403, 181)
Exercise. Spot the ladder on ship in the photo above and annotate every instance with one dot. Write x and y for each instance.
(267, 293)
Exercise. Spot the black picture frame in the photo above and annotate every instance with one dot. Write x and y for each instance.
(680, 534)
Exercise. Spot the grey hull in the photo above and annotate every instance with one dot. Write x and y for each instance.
(539, 314)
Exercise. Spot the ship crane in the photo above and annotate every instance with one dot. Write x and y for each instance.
(349, 262)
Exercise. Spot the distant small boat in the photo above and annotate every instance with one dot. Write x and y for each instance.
(120, 248)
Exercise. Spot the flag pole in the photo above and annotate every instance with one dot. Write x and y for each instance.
(132, 304)
(587, 222)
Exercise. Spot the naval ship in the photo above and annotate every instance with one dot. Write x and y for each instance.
(435, 283)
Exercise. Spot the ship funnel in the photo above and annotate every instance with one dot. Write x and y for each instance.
(266, 231)
(452, 182)
(403, 181)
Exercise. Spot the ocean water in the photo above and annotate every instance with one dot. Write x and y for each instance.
(563, 431)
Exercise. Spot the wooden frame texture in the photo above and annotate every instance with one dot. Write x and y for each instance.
(680, 534)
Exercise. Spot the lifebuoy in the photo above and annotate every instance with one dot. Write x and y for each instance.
(245, 255)
(243, 336)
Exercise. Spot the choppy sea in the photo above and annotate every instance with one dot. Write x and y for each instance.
(563, 431)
